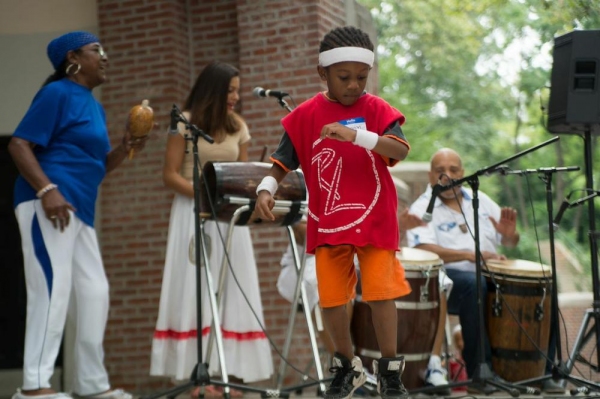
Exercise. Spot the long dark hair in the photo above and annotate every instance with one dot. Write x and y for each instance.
(58, 74)
(207, 102)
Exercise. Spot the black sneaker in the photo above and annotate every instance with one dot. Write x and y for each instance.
(349, 375)
(388, 371)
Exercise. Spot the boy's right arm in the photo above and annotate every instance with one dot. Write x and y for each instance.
(265, 191)
(284, 159)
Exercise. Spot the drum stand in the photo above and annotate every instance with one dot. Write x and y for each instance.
(300, 291)
(483, 375)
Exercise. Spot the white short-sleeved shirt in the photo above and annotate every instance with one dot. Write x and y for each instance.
(445, 227)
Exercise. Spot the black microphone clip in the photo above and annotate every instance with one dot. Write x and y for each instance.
(501, 170)
(175, 119)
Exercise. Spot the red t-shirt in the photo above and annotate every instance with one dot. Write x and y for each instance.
(352, 198)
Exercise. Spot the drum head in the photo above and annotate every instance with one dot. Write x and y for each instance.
(518, 268)
(417, 259)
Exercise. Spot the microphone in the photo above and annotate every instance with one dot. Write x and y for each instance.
(427, 216)
(175, 118)
(260, 92)
(563, 207)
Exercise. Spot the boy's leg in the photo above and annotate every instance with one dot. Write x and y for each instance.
(338, 328)
(385, 324)
(337, 279)
(382, 280)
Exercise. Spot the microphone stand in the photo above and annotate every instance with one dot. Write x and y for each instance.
(483, 375)
(200, 375)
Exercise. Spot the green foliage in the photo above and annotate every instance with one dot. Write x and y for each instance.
(474, 75)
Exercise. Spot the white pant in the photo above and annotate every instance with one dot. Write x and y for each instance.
(56, 265)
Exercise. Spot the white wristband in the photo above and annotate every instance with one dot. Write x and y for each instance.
(268, 183)
(366, 139)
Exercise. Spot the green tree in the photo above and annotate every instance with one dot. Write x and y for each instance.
(474, 75)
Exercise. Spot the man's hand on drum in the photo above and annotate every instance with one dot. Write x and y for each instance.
(264, 204)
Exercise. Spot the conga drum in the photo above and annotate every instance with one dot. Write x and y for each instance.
(518, 307)
(226, 186)
(418, 317)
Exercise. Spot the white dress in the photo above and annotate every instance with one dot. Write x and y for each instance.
(247, 350)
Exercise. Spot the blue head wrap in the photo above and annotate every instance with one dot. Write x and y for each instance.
(58, 48)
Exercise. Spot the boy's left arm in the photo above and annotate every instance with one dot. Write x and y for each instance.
(394, 145)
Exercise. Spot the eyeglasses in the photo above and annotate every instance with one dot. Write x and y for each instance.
(98, 50)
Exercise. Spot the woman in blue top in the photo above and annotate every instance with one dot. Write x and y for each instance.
(62, 151)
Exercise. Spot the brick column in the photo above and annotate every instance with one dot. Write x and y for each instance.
(279, 46)
(148, 47)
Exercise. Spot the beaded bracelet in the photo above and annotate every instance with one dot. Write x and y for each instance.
(43, 191)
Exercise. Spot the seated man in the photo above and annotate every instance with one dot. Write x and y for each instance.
(448, 236)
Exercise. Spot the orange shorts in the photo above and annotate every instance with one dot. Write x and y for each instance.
(381, 273)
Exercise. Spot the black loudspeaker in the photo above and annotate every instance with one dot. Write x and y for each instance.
(574, 105)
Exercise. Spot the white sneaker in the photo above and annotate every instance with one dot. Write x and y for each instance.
(436, 377)
(58, 395)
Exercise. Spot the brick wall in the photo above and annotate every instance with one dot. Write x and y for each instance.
(156, 50)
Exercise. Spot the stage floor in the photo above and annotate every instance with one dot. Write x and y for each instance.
(311, 392)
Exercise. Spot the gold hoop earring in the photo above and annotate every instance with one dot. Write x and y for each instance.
(69, 68)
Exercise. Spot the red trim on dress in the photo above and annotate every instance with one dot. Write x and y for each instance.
(183, 335)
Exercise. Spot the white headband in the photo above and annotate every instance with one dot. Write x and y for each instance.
(345, 54)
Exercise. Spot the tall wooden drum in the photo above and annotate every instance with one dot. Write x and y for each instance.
(518, 308)
(418, 317)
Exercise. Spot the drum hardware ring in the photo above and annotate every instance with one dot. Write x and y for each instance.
(400, 305)
(539, 308)
(497, 306)
(424, 289)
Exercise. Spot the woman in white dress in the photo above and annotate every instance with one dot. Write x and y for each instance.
(209, 106)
